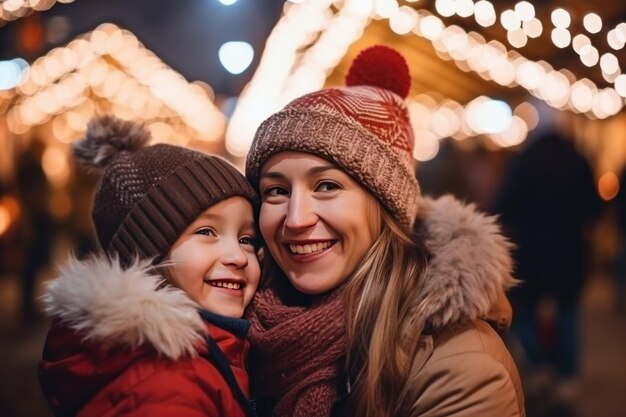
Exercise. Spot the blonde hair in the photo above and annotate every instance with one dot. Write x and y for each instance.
(381, 311)
(383, 325)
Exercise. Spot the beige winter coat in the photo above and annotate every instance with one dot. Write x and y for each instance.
(462, 368)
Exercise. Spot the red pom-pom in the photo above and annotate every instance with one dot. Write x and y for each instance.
(383, 67)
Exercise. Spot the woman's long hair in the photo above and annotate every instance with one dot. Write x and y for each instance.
(383, 321)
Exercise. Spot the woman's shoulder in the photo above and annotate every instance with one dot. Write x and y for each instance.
(476, 338)
(470, 370)
(470, 265)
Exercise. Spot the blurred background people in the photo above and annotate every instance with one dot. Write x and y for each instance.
(547, 201)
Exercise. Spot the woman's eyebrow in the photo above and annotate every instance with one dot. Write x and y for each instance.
(320, 169)
(311, 171)
(271, 174)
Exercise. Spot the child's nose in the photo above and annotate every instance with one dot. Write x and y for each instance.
(234, 255)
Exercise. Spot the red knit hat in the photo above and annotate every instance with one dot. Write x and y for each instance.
(364, 128)
(148, 195)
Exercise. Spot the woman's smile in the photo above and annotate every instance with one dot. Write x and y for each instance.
(314, 218)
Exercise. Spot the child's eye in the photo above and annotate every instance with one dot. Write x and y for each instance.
(206, 231)
(247, 241)
(326, 186)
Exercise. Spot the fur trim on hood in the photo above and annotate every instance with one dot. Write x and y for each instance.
(116, 306)
(471, 263)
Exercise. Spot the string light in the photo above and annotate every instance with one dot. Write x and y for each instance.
(110, 65)
(287, 69)
(14, 9)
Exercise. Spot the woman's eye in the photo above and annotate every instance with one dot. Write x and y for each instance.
(206, 232)
(327, 186)
(275, 191)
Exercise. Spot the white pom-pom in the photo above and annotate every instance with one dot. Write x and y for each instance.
(106, 136)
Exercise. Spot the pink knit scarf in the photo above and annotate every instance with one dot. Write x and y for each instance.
(298, 353)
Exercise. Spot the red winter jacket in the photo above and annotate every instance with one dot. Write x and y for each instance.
(120, 347)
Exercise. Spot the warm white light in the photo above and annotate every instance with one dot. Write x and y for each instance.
(445, 122)
(556, 89)
(579, 42)
(510, 20)
(426, 146)
(620, 85)
(611, 101)
(606, 103)
(561, 37)
(561, 18)
(484, 13)
(403, 21)
(530, 75)
(386, 8)
(582, 95)
(446, 8)
(236, 57)
(592, 22)
(489, 116)
(515, 133)
(517, 38)
(616, 39)
(503, 72)
(589, 55)
(431, 27)
(464, 8)
(13, 5)
(525, 11)
(528, 113)
(533, 28)
(609, 63)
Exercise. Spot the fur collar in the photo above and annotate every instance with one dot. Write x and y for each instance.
(109, 304)
(470, 265)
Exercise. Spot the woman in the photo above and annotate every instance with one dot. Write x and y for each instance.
(379, 302)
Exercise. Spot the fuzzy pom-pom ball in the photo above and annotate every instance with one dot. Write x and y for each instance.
(107, 136)
(383, 67)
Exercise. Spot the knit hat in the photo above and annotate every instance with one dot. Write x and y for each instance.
(364, 128)
(148, 195)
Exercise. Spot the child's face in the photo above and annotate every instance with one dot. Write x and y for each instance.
(214, 258)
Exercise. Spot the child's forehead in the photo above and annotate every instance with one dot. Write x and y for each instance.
(231, 210)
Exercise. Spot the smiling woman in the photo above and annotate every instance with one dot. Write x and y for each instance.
(321, 207)
(379, 302)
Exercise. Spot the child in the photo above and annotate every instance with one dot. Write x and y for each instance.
(152, 326)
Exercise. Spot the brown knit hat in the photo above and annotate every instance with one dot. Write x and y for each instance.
(364, 128)
(148, 195)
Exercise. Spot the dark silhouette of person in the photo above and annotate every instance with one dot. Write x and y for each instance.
(37, 226)
(546, 201)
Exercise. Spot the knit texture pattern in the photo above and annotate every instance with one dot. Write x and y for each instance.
(148, 195)
(363, 129)
(298, 361)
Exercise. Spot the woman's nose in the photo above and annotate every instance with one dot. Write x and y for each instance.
(300, 213)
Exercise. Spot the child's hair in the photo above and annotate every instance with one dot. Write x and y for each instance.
(148, 195)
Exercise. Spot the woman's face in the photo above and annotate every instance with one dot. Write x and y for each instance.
(315, 219)
(214, 260)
